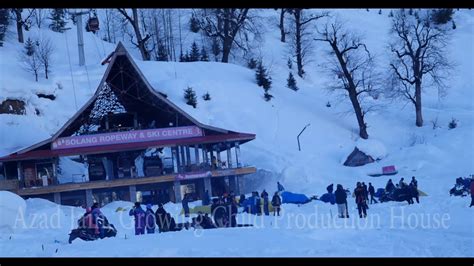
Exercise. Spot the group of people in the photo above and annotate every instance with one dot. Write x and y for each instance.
(402, 191)
(93, 225)
(147, 220)
(253, 204)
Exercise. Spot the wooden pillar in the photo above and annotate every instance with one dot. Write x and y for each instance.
(233, 184)
(57, 198)
(177, 191)
(20, 174)
(204, 155)
(218, 157)
(55, 173)
(133, 193)
(175, 155)
(229, 156)
(207, 185)
(238, 162)
(182, 159)
(188, 155)
(196, 154)
(89, 198)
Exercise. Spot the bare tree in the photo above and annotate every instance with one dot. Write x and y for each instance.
(281, 25)
(231, 26)
(110, 25)
(39, 16)
(141, 42)
(44, 51)
(29, 58)
(353, 65)
(22, 23)
(419, 52)
(302, 36)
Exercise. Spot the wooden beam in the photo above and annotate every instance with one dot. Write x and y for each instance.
(124, 182)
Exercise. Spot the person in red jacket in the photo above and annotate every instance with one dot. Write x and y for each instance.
(472, 193)
(360, 194)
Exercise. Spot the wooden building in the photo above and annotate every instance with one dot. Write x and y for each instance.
(128, 142)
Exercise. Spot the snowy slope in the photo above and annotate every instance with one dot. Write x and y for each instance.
(435, 157)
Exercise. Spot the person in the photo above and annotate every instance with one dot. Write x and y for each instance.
(390, 186)
(280, 187)
(206, 199)
(372, 194)
(87, 222)
(263, 194)
(233, 214)
(276, 202)
(214, 162)
(360, 200)
(414, 181)
(139, 214)
(341, 201)
(266, 210)
(185, 205)
(258, 204)
(472, 193)
(241, 200)
(220, 214)
(330, 188)
(160, 216)
(402, 183)
(366, 195)
(98, 219)
(413, 192)
(150, 219)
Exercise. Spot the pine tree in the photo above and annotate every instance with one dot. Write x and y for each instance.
(29, 47)
(252, 64)
(190, 97)
(194, 24)
(195, 54)
(290, 63)
(204, 56)
(57, 20)
(263, 80)
(4, 21)
(291, 82)
(206, 96)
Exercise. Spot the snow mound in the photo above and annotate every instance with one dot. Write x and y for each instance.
(372, 147)
(12, 206)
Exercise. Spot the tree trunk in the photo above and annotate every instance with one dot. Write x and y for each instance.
(299, 56)
(419, 116)
(19, 24)
(352, 90)
(282, 25)
(46, 70)
(227, 41)
(140, 42)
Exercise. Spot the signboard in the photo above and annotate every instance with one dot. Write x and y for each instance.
(193, 175)
(133, 136)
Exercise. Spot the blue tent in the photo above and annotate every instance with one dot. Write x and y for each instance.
(288, 197)
(328, 197)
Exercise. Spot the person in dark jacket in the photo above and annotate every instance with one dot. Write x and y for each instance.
(414, 181)
(241, 200)
(276, 202)
(185, 205)
(472, 193)
(366, 194)
(160, 216)
(258, 204)
(206, 199)
(402, 183)
(233, 214)
(372, 194)
(390, 186)
(280, 187)
(413, 191)
(220, 214)
(139, 214)
(330, 188)
(341, 201)
(360, 200)
(266, 210)
(150, 219)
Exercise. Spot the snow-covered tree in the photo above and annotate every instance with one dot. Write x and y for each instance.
(264, 80)
(4, 21)
(194, 55)
(206, 96)
(194, 24)
(204, 56)
(57, 17)
(137, 38)
(190, 97)
(291, 82)
(22, 22)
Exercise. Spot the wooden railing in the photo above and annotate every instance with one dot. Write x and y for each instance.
(11, 185)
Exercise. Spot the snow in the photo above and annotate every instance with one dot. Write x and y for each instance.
(11, 206)
(439, 226)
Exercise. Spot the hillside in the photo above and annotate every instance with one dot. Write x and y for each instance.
(435, 156)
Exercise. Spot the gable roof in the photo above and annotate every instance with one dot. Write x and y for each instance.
(111, 60)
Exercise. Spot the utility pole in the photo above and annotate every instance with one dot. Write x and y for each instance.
(80, 37)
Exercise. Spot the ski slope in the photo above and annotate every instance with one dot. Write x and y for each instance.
(435, 156)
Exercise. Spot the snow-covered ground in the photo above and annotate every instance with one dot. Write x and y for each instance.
(439, 226)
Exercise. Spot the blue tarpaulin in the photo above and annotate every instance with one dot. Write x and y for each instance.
(328, 197)
(288, 197)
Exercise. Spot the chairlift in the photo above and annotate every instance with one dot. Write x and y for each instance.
(92, 23)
